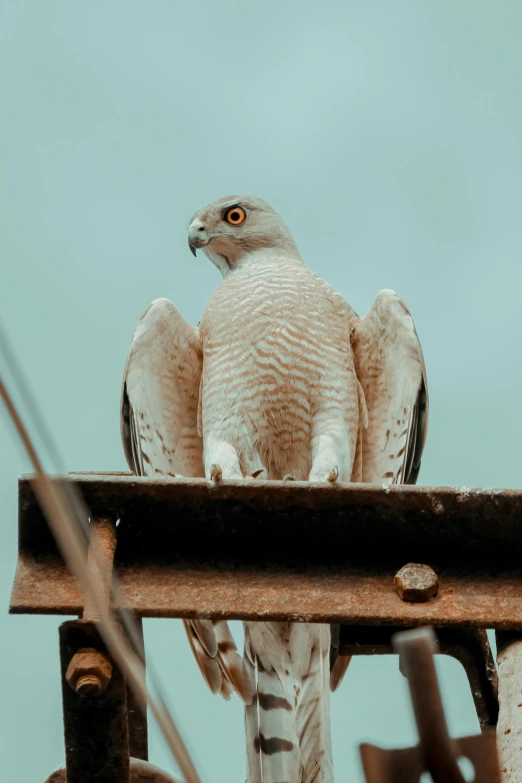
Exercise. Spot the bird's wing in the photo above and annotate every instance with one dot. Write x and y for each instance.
(160, 395)
(159, 430)
(394, 408)
(390, 368)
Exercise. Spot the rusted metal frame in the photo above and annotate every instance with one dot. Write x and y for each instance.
(95, 727)
(184, 550)
(470, 530)
(416, 663)
(509, 729)
(136, 718)
(436, 752)
(469, 646)
(100, 560)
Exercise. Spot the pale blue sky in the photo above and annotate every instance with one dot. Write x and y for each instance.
(389, 137)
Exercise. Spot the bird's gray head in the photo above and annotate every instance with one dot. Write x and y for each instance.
(234, 227)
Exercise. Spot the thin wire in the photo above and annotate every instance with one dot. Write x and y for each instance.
(66, 515)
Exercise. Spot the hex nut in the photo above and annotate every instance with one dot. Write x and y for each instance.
(89, 672)
(416, 582)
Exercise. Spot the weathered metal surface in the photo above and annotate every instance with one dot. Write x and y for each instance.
(89, 672)
(136, 718)
(436, 753)
(95, 727)
(140, 772)
(416, 582)
(509, 730)
(185, 549)
(469, 646)
(404, 765)
(100, 558)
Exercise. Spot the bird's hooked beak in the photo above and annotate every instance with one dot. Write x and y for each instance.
(197, 236)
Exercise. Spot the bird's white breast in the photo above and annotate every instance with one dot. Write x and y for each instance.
(276, 353)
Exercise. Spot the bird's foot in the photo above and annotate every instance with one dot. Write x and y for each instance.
(289, 477)
(333, 475)
(216, 473)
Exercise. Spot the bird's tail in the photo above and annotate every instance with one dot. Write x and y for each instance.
(216, 654)
(288, 722)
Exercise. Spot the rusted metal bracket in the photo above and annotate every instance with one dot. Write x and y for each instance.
(436, 753)
(184, 550)
(105, 731)
(470, 646)
(95, 726)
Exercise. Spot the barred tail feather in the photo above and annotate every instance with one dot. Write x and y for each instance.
(216, 654)
(287, 723)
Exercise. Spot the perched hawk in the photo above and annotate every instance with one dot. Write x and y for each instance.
(280, 380)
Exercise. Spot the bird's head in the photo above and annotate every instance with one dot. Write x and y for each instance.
(232, 228)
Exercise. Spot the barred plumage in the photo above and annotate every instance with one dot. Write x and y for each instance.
(282, 377)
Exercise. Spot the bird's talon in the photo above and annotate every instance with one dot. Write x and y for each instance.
(289, 477)
(333, 475)
(216, 473)
(257, 473)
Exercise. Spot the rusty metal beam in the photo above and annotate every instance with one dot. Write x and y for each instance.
(185, 548)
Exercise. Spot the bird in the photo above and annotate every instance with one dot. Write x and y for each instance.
(280, 380)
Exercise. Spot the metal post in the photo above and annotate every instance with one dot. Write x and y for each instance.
(416, 650)
(436, 753)
(100, 559)
(95, 724)
(509, 728)
(136, 719)
(103, 724)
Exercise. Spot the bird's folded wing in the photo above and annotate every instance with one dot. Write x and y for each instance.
(390, 368)
(160, 395)
(159, 429)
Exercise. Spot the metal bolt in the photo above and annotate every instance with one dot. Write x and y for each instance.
(89, 672)
(416, 582)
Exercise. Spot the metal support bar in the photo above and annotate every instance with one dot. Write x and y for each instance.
(509, 730)
(469, 646)
(95, 727)
(328, 566)
(136, 718)
(436, 753)
(100, 560)
(416, 650)
(103, 724)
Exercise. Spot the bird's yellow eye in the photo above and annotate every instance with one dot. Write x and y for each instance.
(235, 216)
